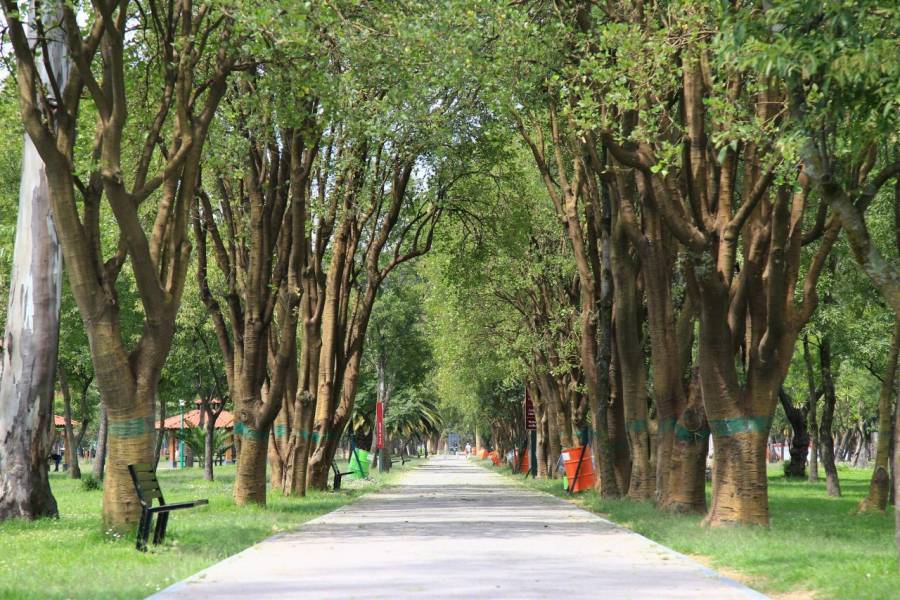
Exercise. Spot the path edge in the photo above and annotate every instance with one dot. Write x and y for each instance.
(183, 584)
(708, 571)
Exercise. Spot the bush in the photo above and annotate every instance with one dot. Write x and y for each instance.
(793, 471)
(89, 483)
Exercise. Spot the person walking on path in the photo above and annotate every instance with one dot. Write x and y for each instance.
(56, 451)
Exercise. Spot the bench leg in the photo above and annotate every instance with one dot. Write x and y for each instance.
(159, 534)
(143, 530)
(337, 481)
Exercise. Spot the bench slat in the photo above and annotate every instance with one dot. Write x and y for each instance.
(149, 489)
(146, 476)
(178, 506)
(151, 494)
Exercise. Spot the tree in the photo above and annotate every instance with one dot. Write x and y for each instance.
(31, 337)
(397, 358)
(185, 90)
(879, 492)
(739, 233)
(261, 252)
(194, 372)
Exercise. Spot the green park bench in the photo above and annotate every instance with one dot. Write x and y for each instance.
(147, 487)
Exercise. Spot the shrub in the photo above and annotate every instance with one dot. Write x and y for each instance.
(89, 483)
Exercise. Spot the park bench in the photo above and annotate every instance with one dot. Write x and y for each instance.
(147, 487)
(338, 475)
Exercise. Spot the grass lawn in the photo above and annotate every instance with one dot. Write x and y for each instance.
(814, 543)
(72, 558)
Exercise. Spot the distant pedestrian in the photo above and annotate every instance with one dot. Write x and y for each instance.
(56, 453)
(468, 448)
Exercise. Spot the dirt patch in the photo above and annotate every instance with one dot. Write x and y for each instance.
(795, 595)
(749, 582)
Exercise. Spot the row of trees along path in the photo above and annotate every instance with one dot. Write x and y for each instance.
(699, 178)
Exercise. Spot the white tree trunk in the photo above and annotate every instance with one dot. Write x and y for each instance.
(30, 342)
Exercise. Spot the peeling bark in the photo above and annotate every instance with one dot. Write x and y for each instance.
(31, 339)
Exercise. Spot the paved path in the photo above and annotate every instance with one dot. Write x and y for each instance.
(451, 529)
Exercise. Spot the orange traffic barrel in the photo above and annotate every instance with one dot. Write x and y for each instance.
(571, 457)
(523, 463)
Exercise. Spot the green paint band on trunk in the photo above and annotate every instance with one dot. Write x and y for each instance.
(280, 430)
(683, 434)
(666, 425)
(729, 427)
(636, 426)
(242, 430)
(315, 436)
(130, 428)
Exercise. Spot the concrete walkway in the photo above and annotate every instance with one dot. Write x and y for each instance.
(451, 529)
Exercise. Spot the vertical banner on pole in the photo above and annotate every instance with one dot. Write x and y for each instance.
(379, 425)
(531, 428)
(530, 420)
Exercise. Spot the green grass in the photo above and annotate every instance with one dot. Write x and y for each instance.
(814, 543)
(71, 557)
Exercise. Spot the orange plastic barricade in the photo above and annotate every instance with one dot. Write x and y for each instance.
(495, 457)
(483, 453)
(523, 463)
(570, 458)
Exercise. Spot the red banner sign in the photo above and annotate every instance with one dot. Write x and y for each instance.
(530, 420)
(379, 425)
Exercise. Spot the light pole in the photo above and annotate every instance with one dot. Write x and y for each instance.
(181, 439)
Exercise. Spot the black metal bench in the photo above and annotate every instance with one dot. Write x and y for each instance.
(147, 487)
(338, 475)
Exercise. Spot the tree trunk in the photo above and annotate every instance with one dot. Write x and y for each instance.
(311, 307)
(632, 390)
(895, 463)
(160, 434)
(250, 481)
(208, 447)
(597, 350)
(540, 416)
(796, 467)
(540, 450)
(100, 459)
(687, 464)
(618, 435)
(740, 487)
(31, 341)
(71, 446)
(278, 449)
(813, 427)
(826, 440)
(383, 395)
(304, 424)
(879, 487)
(130, 440)
(547, 387)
